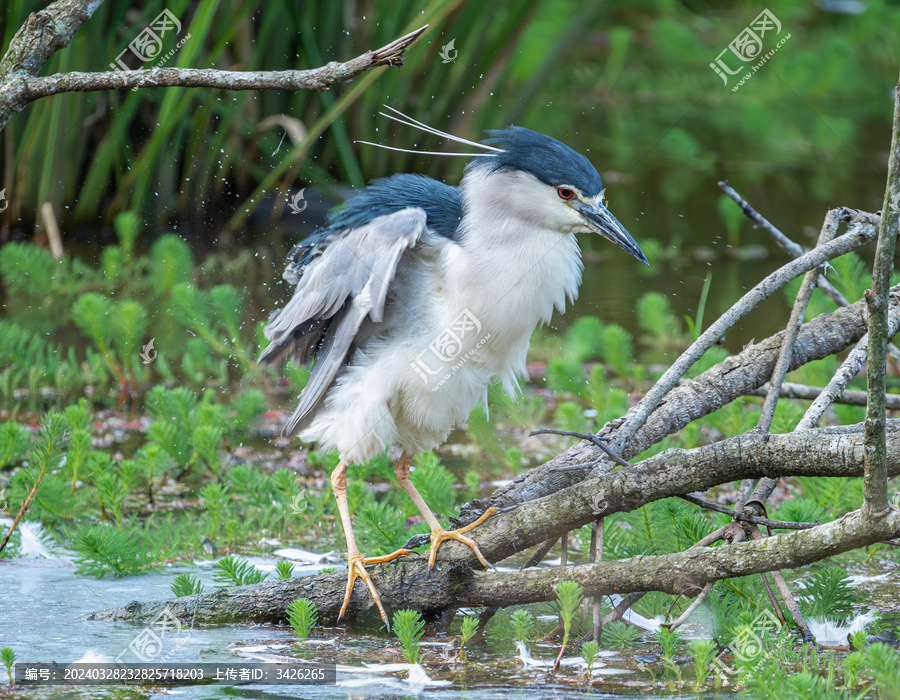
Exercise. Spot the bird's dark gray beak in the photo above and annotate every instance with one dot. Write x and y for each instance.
(598, 218)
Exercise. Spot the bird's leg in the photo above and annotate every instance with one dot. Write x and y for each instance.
(438, 534)
(356, 562)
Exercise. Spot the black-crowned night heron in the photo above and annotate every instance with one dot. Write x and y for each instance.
(417, 295)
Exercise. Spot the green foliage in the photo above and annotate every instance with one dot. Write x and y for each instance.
(663, 336)
(435, 484)
(589, 652)
(185, 584)
(467, 630)
(569, 595)
(409, 627)
(8, 658)
(570, 416)
(234, 571)
(884, 665)
(106, 550)
(380, 528)
(703, 654)
(835, 495)
(617, 349)
(302, 615)
(620, 635)
(522, 622)
(828, 593)
(283, 570)
(14, 443)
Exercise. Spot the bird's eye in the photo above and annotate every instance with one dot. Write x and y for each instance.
(565, 193)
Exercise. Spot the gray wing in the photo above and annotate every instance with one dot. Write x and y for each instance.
(342, 277)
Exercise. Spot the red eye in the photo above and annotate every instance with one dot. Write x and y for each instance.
(565, 193)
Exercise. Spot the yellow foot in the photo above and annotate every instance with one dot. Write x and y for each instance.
(356, 568)
(438, 537)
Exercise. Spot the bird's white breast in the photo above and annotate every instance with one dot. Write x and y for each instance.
(462, 314)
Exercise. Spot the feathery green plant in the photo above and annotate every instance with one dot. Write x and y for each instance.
(106, 550)
(185, 584)
(283, 570)
(589, 652)
(409, 627)
(828, 593)
(234, 571)
(302, 615)
(8, 658)
(620, 635)
(703, 653)
(467, 631)
(522, 622)
(569, 595)
(14, 443)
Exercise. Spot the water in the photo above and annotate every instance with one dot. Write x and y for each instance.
(41, 619)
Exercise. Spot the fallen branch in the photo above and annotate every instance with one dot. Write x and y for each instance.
(735, 376)
(407, 582)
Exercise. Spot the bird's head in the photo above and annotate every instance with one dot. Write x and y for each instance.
(548, 184)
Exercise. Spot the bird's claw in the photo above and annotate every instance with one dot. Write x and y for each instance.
(438, 537)
(356, 568)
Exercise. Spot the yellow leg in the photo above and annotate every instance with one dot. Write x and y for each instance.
(438, 534)
(356, 562)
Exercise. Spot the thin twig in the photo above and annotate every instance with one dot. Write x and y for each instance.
(596, 439)
(785, 593)
(681, 619)
(539, 553)
(829, 229)
(805, 392)
(795, 250)
(778, 524)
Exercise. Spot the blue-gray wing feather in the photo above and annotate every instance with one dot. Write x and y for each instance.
(342, 276)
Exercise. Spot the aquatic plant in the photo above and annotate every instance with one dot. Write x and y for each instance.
(8, 658)
(522, 622)
(283, 570)
(302, 615)
(589, 652)
(467, 630)
(703, 653)
(234, 571)
(569, 595)
(185, 584)
(408, 626)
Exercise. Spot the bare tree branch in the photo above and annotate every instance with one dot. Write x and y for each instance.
(51, 29)
(792, 390)
(407, 583)
(731, 378)
(877, 300)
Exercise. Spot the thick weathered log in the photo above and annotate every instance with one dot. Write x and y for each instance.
(734, 377)
(407, 582)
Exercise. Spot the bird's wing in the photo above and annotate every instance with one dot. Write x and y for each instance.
(341, 276)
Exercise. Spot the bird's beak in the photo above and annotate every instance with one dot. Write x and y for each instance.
(598, 218)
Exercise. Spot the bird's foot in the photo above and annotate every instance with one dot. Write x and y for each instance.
(356, 568)
(439, 536)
